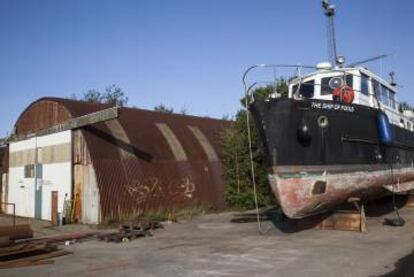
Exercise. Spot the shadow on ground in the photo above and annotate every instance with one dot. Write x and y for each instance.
(373, 209)
(404, 267)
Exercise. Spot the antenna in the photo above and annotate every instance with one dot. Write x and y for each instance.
(369, 60)
(392, 79)
(329, 10)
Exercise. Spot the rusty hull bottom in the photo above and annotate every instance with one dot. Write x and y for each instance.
(304, 194)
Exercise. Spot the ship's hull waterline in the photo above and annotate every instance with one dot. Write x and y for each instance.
(320, 154)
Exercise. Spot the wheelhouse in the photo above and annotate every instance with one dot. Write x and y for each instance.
(368, 89)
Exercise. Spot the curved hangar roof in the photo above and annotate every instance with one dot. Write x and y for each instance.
(144, 160)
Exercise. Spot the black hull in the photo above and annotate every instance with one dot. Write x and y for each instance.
(350, 137)
(311, 145)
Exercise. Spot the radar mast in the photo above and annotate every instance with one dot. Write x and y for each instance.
(329, 10)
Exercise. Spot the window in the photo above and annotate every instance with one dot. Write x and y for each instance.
(385, 96)
(408, 125)
(392, 99)
(402, 123)
(364, 84)
(326, 87)
(29, 171)
(377, 90)
(349, 80)
(306, 89)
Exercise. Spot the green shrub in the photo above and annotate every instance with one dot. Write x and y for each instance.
(237, 168)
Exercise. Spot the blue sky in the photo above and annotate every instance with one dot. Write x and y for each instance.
(183, 53)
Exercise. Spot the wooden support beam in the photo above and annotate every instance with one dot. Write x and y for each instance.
(74, 123)
(410, 200)
(54, 208)
(344, 220)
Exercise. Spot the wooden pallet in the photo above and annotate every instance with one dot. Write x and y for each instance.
(131, 231)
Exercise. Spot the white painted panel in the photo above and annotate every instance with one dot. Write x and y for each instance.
(54, 139)
(56, 177)
(21, 192)
(22, 145)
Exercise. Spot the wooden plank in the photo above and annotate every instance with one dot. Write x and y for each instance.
(18, 264)
(410, 200)
(347, 221)
(35, 258)
(27, 251)
(74, 123)
(344, 220)
(16, 232)
(54, 208)
(12, 247)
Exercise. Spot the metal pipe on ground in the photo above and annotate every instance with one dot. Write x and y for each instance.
(16, 232)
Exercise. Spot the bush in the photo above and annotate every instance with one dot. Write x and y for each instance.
(239, 191)
(237, 168)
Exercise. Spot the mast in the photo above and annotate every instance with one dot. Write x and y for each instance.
(329, 10)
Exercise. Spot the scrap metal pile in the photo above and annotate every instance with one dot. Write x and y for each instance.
(29, 254)
(18, 248)
(131, 231)
(17, 251)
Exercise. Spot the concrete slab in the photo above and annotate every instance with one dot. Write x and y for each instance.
(215, 245)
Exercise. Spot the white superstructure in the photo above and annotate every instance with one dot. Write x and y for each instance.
(369, 90)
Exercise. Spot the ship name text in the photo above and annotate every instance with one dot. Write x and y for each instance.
(332, 106)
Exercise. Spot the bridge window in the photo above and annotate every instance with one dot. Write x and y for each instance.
(327, 86)
(364, 84)
(392, 99)
(377, 90)
(306, 89)
(385, 96)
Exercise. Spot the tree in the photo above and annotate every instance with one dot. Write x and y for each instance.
(236, 162)
(93, 96)
(405, 106)
(113, 95)
(279, 89)
(163, 109)
(183, 110)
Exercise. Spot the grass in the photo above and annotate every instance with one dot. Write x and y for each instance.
(161, 215)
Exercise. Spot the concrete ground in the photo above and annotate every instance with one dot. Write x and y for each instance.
(228, 244)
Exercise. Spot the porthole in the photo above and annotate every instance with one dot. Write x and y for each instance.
(323, 121)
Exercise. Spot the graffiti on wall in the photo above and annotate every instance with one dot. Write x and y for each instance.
(151, 187)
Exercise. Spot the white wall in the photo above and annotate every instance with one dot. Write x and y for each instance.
(57, 173)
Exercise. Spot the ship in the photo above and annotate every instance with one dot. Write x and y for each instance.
(340, 133)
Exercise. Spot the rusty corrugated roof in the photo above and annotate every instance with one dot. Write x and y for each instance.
(144, 160)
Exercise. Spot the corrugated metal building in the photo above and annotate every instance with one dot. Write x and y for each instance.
(143, 161)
